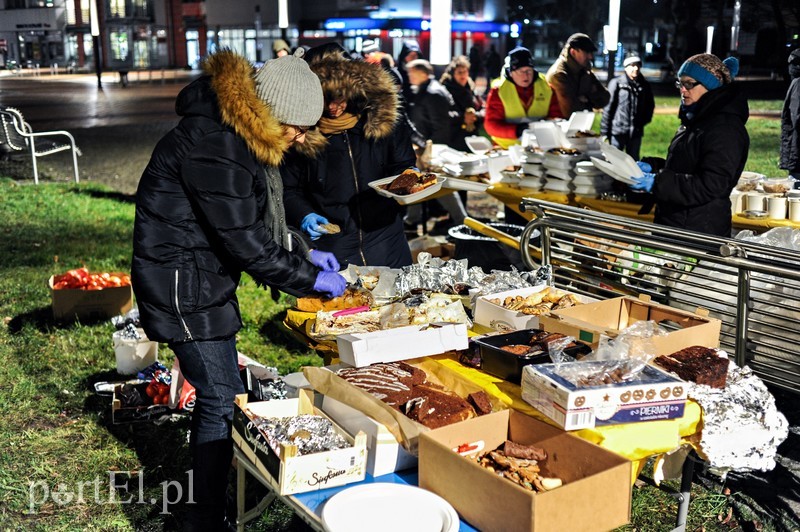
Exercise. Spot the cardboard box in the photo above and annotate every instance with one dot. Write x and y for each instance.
(293, 473)
(385, 454)
(654, 395)
(495, 317)
(133, 414)
(587, 323)
(401, 343)
(432, 245)
(90, 304)
(596, 494)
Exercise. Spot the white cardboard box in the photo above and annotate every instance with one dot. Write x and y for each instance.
(401, 343)
(653, 395)
(290, 472)
(385, 454)
(495, 317)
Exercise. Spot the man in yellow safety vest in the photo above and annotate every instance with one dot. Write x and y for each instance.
(519, 96)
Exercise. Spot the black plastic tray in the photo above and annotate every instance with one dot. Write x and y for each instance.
(508, 366)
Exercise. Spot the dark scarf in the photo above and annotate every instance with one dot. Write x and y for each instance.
(274, 214)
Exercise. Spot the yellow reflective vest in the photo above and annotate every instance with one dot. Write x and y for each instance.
(515, 111)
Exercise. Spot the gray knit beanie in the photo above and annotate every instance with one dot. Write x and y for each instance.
(291, 90)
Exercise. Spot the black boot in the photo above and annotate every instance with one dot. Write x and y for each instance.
(211, 463)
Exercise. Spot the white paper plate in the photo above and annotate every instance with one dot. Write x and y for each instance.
(388, 508)
(409, 198)
(621, 159)
(613, 171)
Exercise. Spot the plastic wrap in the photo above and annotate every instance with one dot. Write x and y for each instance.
(588, 374)
(632, 342)
(311, 434)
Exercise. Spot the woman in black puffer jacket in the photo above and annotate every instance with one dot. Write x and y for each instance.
(692, 187)
(207, 209)
(360, 138)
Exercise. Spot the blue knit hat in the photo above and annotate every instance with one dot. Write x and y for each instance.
(709, 70)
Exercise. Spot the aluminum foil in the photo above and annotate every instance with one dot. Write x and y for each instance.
(311, 434)
(129, 332)
(742, 427)
(449, 276)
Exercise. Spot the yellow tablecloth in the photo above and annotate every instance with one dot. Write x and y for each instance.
(511, 195)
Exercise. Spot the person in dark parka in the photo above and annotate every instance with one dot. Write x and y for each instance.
(630, 108)
(692, 187)
(360, 138)
(209, 207)
(790, 120)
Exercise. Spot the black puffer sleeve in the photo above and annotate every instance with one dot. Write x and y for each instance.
(219, 175)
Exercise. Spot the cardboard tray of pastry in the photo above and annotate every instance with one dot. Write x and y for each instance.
(437, 377)
(353, 297)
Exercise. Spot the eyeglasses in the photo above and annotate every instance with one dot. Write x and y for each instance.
(688, 85)
(302, 131)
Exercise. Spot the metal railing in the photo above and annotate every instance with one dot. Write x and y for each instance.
(754, 289)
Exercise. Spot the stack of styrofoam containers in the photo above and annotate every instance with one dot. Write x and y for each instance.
(589, 181)
(559, 164)
(531, 168)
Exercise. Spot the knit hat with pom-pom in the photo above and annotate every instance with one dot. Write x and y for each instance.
(709, 70)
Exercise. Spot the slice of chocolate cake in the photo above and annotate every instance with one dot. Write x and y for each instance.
(697, 364)
(390, 382)
(435, 407)
(480, 402)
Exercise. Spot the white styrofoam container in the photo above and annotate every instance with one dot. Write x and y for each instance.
(384, 453)
(496, 317)
(401, 343)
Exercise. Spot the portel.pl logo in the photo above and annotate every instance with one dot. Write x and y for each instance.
(118, 487)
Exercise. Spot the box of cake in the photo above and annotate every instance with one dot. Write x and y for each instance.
(579, 395)
(385, 454)
(401, 343)
(289, 470)
(521, 308)
(595, 491)
(587, 323)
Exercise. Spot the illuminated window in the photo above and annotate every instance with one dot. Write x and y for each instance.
(118, 41)
(117, 8)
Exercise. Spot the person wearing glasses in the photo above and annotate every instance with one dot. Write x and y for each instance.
(572, 79)
(520, 96)
(360, 138)
(209, 207)
(691, 189)
(630, 108)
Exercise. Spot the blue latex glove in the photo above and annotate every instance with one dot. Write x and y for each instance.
(323, 259)
(644, 183)
(330, 283)
(311, 225)
(645, 167)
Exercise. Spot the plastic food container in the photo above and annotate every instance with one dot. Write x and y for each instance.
(778, 186)
(508, 366)
(749, 181)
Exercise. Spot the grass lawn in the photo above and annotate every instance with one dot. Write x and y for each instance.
(57, 443)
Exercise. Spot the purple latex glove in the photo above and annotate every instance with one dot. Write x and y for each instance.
(330, 283)
(644, 183)
(323, 259)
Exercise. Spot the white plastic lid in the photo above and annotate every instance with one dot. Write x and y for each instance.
(478, 145)
(579, 121)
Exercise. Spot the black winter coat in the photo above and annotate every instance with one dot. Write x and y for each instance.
(330, 175)
(704, 162)
(630, 107)
(336, 186)
(790, 123)
(200, 211)
(433, 112)
(464, 98)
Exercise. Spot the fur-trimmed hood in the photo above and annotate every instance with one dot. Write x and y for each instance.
(231, 79)
(362, 84)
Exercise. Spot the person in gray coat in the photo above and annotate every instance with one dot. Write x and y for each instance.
(790, 120)
(630, 108)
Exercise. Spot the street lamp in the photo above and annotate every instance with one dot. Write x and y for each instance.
(709, 38)
(95, 29)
